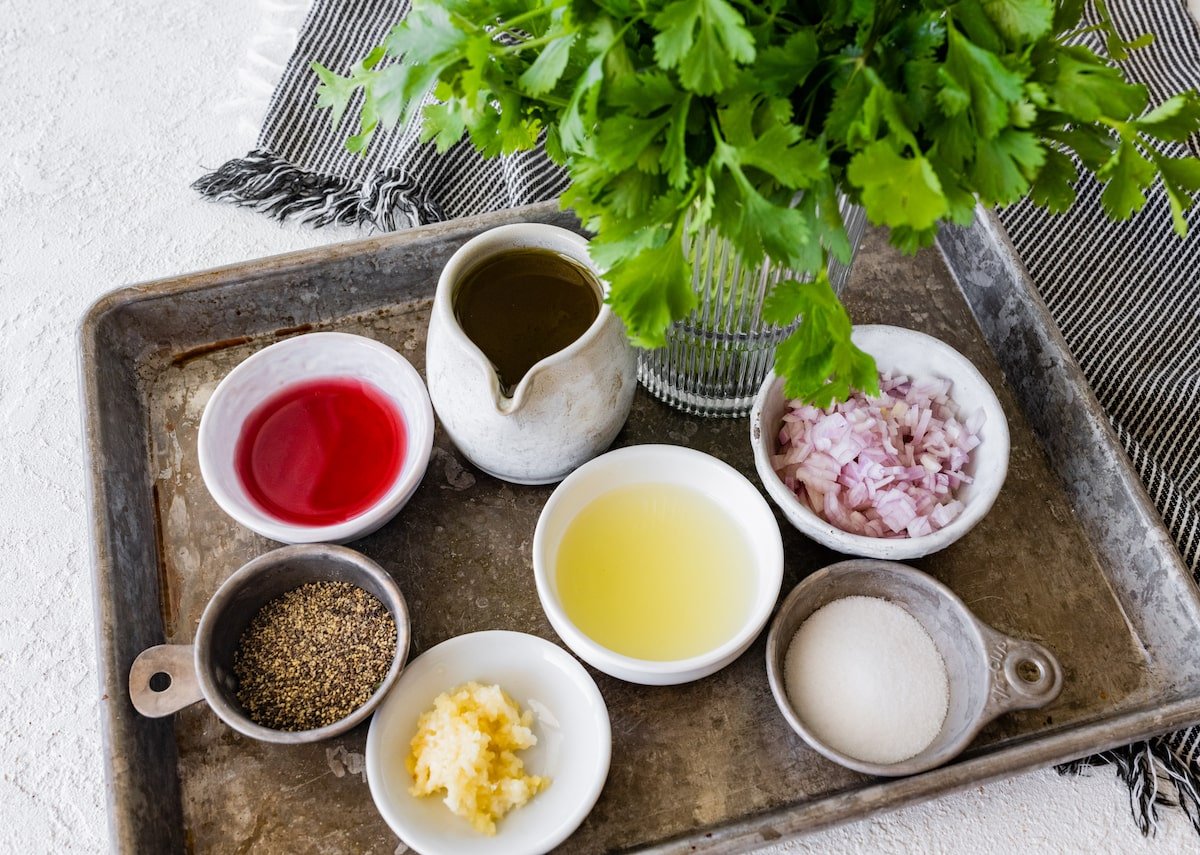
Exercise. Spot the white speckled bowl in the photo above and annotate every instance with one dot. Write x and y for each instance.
(300, 359)
(660, 464)
(917, 355)
(574, 743)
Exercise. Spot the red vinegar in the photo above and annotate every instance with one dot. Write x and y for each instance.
(321, 452)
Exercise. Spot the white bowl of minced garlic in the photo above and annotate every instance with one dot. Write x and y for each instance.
(495, 743)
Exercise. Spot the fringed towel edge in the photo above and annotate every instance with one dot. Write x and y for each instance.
(1150, 770)
(387, 200)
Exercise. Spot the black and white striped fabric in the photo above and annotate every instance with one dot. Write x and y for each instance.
(1127, 299)
(302, 170)
(1127, 296)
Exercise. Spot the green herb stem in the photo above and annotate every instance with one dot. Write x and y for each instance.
(529, 15)
(534, 43)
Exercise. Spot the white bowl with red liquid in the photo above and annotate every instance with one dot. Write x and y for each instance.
(321, 438)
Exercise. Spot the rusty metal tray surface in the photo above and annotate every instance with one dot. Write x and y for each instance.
(1072, 556)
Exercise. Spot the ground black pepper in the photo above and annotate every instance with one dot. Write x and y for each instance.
(313, 655)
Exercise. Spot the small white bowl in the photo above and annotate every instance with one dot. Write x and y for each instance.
(660, 464)
(573, 750)
(916, 355)
(305, 358)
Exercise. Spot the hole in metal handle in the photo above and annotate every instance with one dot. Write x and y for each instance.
(1031, 671)
(163, 680)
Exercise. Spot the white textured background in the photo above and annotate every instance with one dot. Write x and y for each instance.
(107, 111)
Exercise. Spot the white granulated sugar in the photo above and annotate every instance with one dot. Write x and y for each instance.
(866, 678)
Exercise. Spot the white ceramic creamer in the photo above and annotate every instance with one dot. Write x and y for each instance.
(565, 410)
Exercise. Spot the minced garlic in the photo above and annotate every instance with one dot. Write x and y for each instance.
(466, 746)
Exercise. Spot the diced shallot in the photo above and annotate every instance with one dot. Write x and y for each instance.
(881, 467)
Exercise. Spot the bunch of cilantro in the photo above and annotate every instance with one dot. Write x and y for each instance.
(748, 116)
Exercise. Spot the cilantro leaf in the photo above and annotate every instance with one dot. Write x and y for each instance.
(952, 98)
(650, 289)
(830, 226)
(1054, 187)
(1004, 165)
(1067, 15)
(620, 140)
(705, 39)
(443, 125)
(632, 191)
(812, 254)
(643, 91)
(1181, 180)
(759, 227)
(674, 159)
(620, 238)
(908, 240)
(1126, 176)
(959, 200)
(333, 92)
(1093, 145)
(992, 87)
(1174, 120)
(1020, 20)
(549, 66)
(819, 360)
(956, 139)
(579, 114)
(1087, 89)
(897, 191)
(779, 151)
(779, 69)
(846, 110)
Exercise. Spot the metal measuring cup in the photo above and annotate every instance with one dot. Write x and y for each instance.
(988, 673)
(169, 677)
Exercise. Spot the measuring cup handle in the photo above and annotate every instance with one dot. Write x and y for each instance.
(182, 689)
(1023, 675)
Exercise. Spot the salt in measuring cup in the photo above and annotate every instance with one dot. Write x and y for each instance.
(988, 673)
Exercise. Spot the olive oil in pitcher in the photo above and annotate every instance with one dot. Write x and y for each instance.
(520, 306)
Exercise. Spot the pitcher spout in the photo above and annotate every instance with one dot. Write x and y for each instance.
(506, 404)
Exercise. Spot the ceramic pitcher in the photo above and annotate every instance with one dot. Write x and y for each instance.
(565, 410)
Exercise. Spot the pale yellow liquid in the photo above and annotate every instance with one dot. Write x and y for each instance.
(655, 571)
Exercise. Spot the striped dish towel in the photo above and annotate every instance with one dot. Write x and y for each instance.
(1126, 296)
(300, 168)
(1127, 299)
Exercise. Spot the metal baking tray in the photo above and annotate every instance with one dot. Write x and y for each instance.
(1072, 556)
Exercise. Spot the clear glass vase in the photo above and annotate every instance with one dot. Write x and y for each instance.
(715, 360)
